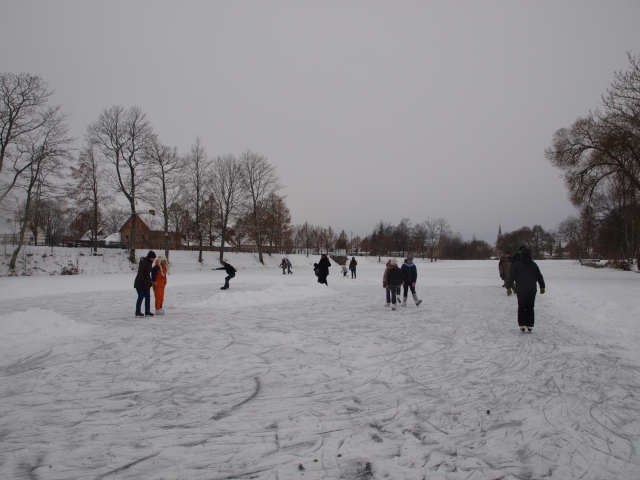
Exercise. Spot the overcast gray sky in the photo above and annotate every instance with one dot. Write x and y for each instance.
(370, 110)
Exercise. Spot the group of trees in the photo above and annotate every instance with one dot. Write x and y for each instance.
(48, 186)
(599, 156)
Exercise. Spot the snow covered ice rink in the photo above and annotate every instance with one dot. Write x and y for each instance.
(281, 378)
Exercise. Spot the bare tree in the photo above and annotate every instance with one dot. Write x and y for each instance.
(226, 186)
(122, 136)
(45, 151)
(198, 168)
(23, 110)
(259, 180)
(87, 189)
(166, 183)
(114, 218)
(420, 233)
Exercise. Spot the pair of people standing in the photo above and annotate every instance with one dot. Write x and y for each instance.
(394, 277)
(150, 275)
(286, 265)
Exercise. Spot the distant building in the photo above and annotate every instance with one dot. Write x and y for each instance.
(147, 238)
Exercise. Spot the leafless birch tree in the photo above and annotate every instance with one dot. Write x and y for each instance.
(122, 136)
(198, 168)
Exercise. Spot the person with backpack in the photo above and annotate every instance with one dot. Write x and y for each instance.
(352, 267)
(231, 272)
(526, 274)
(142, 284)
(409, 279)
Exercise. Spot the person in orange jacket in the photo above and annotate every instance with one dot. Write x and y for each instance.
(159, 281)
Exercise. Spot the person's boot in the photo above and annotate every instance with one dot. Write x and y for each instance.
(415, 299)
(387, 304)
(139, 314)
(404, 301)
(522, 329)
(394, 307)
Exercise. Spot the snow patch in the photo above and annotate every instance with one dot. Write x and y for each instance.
(37, 325)
(269, 296)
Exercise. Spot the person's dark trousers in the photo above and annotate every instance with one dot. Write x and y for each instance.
(227, 278)
(143, 293)
(526, 302)
(289, 270)
(388, 295)
(394, 289)
(353, 273)
(406, 289)
(323, 279)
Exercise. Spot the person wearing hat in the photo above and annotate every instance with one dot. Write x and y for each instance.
(393, 280)
(159, 274)
(142, 285)
(527, 275)
(409, 279)
(504, 267)
(231, 272)
(323, 269)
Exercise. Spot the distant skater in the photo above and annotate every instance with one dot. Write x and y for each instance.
(344, 271)
(352, 267)
(409, 279)
(142, 285)
(159, 274)
(283, 266)
(231, 272)
(387, 266)
(288, 266)
(394, 280)
(526, 274)
(323, 270)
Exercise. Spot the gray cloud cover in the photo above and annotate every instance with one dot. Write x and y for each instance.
(370, 110)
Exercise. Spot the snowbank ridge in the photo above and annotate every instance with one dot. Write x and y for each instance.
(37, 325)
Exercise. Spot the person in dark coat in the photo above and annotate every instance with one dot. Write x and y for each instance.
(504, 267)
(231, 272)
(409, 279)
(394, 280)
(323, 269)
(526, 274)
(352, 267)
(142, 285)
(283, 266)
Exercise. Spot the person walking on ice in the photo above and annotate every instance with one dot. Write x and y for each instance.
(526, 274)
(283, 266)
(344, 271)
(393, 280)
(288, 266)
(352, 266)
(142, 285)
(323, 269)
(231, 272)
(159, 274)
(409, 279)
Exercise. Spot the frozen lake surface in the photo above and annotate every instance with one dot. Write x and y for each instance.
(281, 378)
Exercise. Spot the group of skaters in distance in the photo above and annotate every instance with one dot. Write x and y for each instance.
(520, 275)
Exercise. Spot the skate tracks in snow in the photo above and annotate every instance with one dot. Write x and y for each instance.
(333, 386)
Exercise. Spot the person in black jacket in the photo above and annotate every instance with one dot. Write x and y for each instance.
(231, 272)
(142, 285)
(409, 279)
(526, 274)
(352, 266)
(394, 280)
(323, 269)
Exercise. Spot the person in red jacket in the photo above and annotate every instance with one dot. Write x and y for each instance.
(159, 281)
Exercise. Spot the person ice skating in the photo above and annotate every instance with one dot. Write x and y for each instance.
(159, 274)
(231, 272)
(526, 274)
(344, 271)
(142, 285)
(387, 266)
(504, 267)
(409, 279)
(288, 266)
(352, 267)
(393, 280)
(323, 269)
(283, 266)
